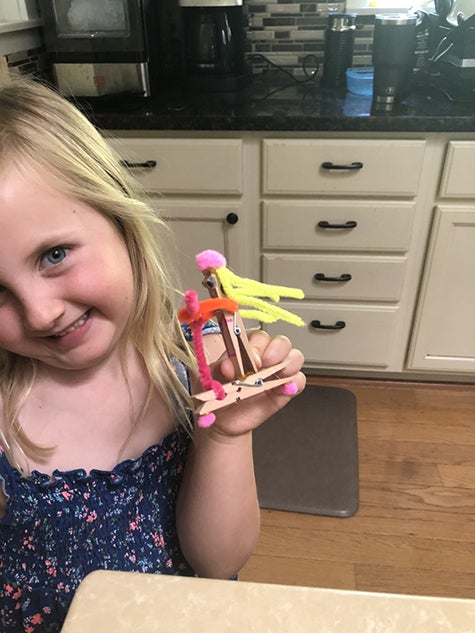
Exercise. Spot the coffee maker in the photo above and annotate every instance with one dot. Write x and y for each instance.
(214, 45)
(104, 48)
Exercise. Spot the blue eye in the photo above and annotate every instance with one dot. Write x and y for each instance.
(53, 257)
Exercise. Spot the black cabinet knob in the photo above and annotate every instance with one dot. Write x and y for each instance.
(232, 218)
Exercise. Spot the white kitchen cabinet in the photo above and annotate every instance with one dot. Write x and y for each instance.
(342, 167)
(363, 226)
(199, 166)
(383, 246)
(350, 255)
(458, 176)
(347, 334)
(196, 185)
(198, 227)
(338, 277)
(444, 337)
(443, 340)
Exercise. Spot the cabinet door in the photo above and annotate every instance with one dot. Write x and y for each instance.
(445, 328)
(457, 179)
(200, 226)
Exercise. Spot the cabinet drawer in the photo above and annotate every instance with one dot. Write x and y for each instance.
(388, 168)
(380, 226)
(371, 278)
(201, 166)
(457, 177)
(365, 339)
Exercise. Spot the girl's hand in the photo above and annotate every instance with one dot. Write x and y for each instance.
(241, 417)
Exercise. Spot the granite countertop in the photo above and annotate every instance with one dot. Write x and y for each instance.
(121, 602)
(271, 103)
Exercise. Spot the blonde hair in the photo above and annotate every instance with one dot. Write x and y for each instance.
(41, 130)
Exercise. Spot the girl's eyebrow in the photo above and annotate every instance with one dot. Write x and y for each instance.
(50, 242)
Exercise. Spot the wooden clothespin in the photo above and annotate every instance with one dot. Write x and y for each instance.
(249, 379)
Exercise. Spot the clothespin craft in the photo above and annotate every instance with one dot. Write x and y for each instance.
(227, 292)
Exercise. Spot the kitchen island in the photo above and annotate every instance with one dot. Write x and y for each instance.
(121, 602)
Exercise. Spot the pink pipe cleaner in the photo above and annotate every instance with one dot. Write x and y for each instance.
(204, 371)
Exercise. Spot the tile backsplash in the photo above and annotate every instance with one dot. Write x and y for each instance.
(283, 31)
(286, 32)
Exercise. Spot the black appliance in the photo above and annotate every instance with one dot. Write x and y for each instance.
(214, 45)
(453, 62)
(338, 51)
(103, 47)
(394, 45)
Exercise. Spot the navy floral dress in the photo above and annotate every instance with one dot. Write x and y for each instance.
(58, 530)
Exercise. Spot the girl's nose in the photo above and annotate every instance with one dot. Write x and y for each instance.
(41, 312)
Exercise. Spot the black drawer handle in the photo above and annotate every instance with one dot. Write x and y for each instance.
(355, 165)
(323, 277)
(232, 218)
(324, 224)
(318, 325)
(147, 164)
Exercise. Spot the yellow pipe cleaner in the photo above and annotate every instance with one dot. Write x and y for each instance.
(248, 292)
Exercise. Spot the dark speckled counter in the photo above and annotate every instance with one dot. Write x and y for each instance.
(268, 106)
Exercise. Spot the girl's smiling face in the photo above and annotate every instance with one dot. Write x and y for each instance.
(66, 281)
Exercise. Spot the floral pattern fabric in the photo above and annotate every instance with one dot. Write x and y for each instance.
(57, 530)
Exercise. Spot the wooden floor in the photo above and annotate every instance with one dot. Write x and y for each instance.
(414, 531)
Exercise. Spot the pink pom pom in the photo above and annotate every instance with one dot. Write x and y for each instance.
(204, 421)
(290, 389)
(210, 259)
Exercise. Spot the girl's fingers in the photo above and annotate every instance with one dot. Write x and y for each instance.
(271, 350)
(266, 352)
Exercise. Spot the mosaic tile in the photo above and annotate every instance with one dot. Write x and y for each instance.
(278, 27)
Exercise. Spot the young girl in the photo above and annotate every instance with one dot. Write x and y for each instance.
(100, 466)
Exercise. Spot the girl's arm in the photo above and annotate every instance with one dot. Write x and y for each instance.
(217, 509)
